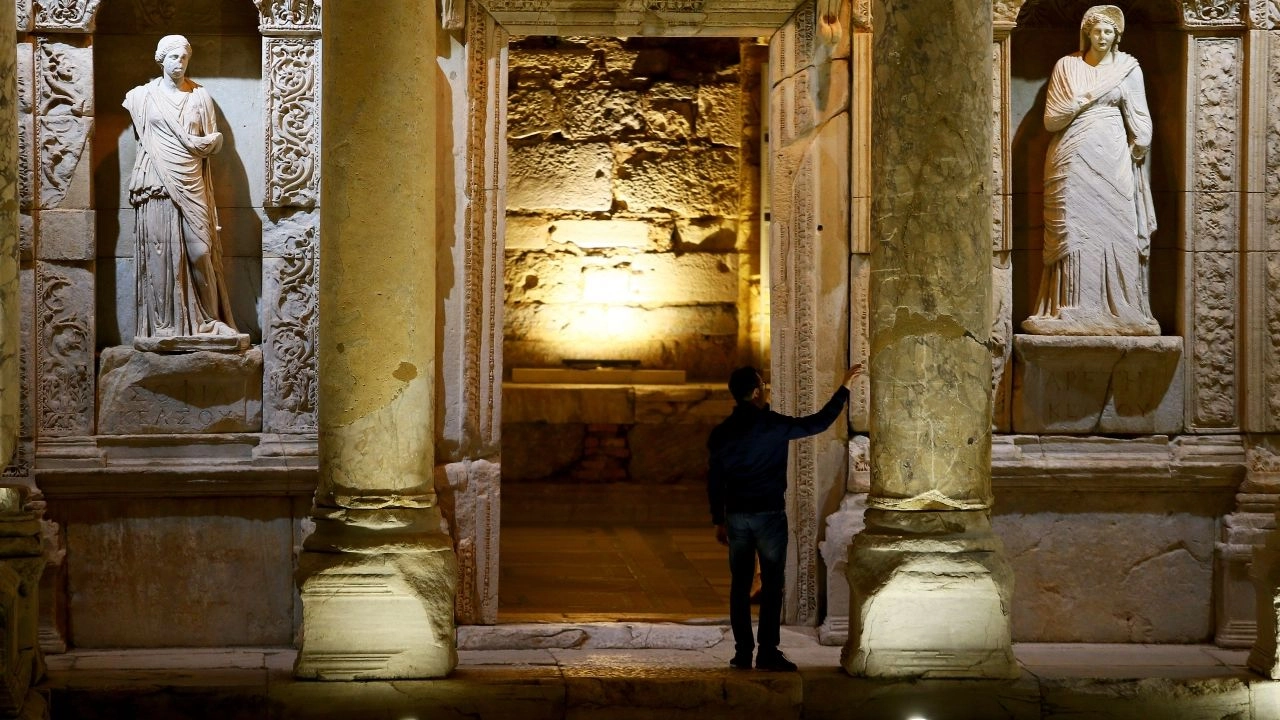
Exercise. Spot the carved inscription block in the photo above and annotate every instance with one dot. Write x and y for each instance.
(141, 393)
(1090, 385)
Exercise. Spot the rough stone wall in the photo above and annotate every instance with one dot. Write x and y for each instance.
(646, 435)
(623, 203)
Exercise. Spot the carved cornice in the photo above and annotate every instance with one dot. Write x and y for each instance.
(1212, 13)
(74, 16)
(1004, 13)
(288, 17)
(861, 10)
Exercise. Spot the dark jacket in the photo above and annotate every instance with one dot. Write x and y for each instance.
(749, 455)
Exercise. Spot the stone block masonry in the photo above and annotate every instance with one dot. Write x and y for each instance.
(625, 195)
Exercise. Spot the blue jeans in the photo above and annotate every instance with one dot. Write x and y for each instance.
(750, 534)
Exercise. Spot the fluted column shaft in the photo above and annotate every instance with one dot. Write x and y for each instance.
(930, 588)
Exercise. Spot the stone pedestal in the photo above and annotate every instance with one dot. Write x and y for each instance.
(842, 525)
(144, 393)
(377, 602)
(1266, 580)
(21, 563)
(1241, 532)
(1095, 384)
(936, 596)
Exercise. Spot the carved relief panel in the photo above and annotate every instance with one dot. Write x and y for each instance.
(470, 422)
(64, 350)
(56, 129)
(290, 295)
(1264, 14)
(290, 269)
(1213, 224)
(1271, 224)
(809, 251)
(291, 66)
(1261, 301)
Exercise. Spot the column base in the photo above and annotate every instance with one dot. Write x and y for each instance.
(930, 597)
(376, 604)
(1266, 582)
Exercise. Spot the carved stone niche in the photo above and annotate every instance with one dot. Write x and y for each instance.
(1097, 384)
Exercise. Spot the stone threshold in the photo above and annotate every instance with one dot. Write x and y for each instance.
(1058, 681)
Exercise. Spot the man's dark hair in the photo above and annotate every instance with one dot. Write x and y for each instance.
(743, 382)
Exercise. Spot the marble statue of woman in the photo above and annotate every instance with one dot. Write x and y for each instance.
(182, 301)
(1098, 215)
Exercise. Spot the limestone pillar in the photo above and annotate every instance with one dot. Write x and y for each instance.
(930, 587)
(9, 286)
(378, 575)
(1255, 513)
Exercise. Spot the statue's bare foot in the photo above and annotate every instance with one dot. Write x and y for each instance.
(217, 327)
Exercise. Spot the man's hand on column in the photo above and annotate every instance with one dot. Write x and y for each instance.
(854, 372)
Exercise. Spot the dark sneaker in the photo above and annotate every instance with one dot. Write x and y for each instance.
(774, 661)
(741, 661)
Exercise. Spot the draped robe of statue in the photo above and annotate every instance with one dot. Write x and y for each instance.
(181, 288)
(1098, 213)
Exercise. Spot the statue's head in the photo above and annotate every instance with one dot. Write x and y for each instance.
(169, 43)
(1109, 14)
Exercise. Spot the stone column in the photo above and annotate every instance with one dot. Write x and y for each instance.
(378, 575)
(1255, 514)
(10, 308)
(930, 588)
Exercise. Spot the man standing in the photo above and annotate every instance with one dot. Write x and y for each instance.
(747, 485)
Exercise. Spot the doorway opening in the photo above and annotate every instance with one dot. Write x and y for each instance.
(632, 289)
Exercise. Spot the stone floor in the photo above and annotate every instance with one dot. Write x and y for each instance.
(659, 670)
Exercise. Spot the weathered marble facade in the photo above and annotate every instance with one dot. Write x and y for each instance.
(1174, 497)
(75, 151)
